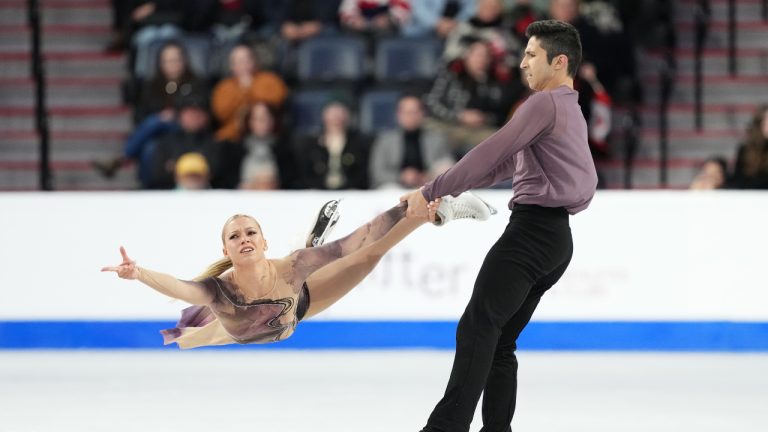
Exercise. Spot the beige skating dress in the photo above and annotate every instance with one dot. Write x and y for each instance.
(233, 318)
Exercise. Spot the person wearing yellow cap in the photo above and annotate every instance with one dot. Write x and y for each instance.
(192, 172)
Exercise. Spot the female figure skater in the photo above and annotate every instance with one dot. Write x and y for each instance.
(247, 298)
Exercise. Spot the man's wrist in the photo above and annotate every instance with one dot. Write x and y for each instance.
(425, 193)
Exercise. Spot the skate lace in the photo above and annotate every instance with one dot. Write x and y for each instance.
(463, 211)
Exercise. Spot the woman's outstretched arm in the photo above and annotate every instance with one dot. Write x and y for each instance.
(192, 292)
(306, 261)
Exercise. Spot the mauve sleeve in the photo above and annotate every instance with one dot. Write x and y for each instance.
(490, 162)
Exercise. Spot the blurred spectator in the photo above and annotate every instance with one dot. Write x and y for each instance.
(192, 172)
(337, 158)
(303, 19)
(154, 19)
(267, 163)
(120, 20)
(262, 176)
(468, 102)
(485, 25)
(173, 79)
(248, 85)
(604, 41)
(712, 175)
(412, 155)
(229, 20)
(140, 147)
(437, 17)
(519, 17)
(751, 170)
(374, 16)
(607, 73)
(300, 20)
(193, 135)
(600, 110)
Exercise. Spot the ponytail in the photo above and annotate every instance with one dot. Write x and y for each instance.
(215, 269)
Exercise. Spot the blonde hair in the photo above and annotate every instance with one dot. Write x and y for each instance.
(225, 263)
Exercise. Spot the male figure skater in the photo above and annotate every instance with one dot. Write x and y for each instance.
(544, 150)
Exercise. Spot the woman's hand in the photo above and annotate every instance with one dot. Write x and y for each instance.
(127, 269)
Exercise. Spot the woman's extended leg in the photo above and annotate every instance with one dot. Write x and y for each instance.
(333, 281)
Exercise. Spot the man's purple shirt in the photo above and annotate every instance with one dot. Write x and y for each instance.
(543, 149)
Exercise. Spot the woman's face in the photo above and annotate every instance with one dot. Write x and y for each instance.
(260, 122)
(477, 59)
(243, 240)
(172, 62)
(241, 61)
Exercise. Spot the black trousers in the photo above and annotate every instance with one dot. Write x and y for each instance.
(525, 262)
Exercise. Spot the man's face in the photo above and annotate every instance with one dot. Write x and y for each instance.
(536, 69)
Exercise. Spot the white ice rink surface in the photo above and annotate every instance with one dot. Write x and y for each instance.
(393, 391)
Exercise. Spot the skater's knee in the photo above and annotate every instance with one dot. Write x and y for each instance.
(484, 313)
(505, 351)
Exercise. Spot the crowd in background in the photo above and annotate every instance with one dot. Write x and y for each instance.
(233, 126)
(750, 169)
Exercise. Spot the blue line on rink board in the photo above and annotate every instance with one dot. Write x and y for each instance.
(539, 335)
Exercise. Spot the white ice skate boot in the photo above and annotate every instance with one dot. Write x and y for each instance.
(464, 206)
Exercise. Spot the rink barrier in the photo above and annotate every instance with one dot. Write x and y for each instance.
(363, 335)
(656, 270)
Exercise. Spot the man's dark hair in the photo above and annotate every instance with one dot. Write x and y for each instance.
(558, 38)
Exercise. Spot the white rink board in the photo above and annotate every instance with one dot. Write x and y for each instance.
(638, 255)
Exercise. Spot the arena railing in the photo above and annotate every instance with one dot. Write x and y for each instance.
(702, 19)
(732, 65)
(666, 85)
(765, 10)
(41, 114)
(667, 75)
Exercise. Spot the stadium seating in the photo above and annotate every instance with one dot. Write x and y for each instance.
(401, 60)
(377, 110)
(332, 59)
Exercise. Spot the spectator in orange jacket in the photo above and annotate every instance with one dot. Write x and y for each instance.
(246, 86)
